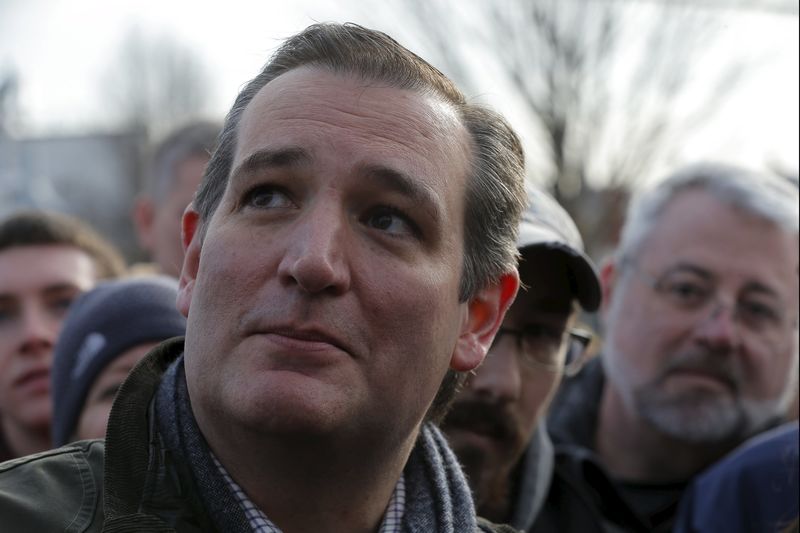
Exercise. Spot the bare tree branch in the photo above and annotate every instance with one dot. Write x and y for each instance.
(604, 82)
(156, 83)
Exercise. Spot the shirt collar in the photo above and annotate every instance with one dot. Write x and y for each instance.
(259, 523)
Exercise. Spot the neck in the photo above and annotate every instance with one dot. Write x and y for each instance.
(492, 488)
(24, 440)
(632, 450)
(341, 487)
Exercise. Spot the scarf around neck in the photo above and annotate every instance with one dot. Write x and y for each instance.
(438, 498)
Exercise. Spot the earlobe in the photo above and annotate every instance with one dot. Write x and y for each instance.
(192, 244)
(484, 315)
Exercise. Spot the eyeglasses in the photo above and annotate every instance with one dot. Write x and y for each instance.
(691, 290)
(543, 346)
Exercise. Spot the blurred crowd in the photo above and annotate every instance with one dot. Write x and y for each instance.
(654, 391)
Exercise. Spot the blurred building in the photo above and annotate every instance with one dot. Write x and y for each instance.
(94, 177)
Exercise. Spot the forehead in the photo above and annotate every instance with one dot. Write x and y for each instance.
(369, 123)
(33, 268)
(696, 228)
(189, 171)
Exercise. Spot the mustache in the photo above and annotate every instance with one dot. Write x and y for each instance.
(723, 367)
(488, 419)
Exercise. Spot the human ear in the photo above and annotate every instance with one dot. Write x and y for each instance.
(192, 243)
(484, 314)
(144, 214)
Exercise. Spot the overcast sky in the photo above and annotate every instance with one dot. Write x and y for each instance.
(61, 49)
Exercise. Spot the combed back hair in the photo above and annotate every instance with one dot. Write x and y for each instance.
(495, 191)
(194, 139)
(765, 196)
(43, 228)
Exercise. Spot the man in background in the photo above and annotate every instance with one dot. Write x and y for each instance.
(494, 425)
(176, 170)
(701, 344)
(46, 261)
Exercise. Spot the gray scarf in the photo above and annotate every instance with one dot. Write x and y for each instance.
(438, 499)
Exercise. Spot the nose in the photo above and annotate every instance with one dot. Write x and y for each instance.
(498, 378)
(38, 331)
(719, 331)
(316, 258)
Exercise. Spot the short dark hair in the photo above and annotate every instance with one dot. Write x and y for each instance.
(495, 194)
(43, 228)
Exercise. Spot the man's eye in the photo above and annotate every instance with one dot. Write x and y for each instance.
(686, 292)
(757, 313)
(264, 197)
(6, 315)
(59, 306)
(391, 221)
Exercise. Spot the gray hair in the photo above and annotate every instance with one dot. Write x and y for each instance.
(193, 139)
(766, 196)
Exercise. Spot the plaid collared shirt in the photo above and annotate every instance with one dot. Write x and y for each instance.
(392, 518)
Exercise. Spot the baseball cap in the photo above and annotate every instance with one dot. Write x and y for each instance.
(545, 224)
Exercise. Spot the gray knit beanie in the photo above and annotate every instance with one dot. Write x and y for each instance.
(101, 325)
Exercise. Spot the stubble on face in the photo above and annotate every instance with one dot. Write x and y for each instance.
(677, 369)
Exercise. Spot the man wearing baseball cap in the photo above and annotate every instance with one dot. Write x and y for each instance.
(496, 424)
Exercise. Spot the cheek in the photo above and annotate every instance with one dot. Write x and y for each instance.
(168, 223)
(6, 358)
(539, 386)
(413, 326)
(411, 298)
(93, 421)
(230, 273)
(640, 337)
(776, 371)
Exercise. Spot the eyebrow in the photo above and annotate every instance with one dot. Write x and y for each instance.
(418, 192)
(61, 288)
(752, 286)
(760, 288)
(384, 176)
(266, 159)
(49, 290)
(688, 267)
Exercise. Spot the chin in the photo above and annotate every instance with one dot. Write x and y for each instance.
(292, 411)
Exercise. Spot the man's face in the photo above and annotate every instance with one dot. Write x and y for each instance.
(93, 419)
(702, 322)
(37, 285)
(166, 247)
(494, 416)
(324, 295)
